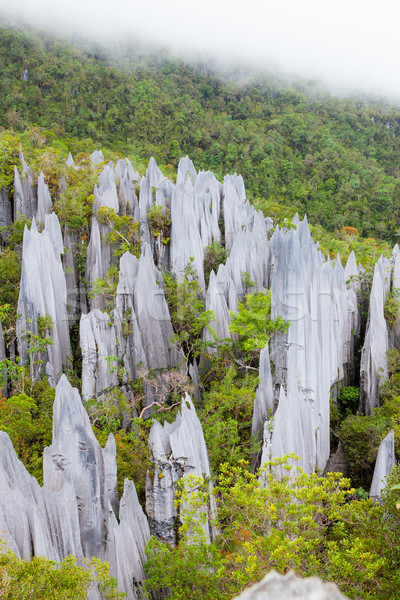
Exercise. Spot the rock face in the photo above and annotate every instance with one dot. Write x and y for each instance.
(43, 295)
(311, 294)
(178, 450)
(376, 344)
(385, 461)
(284, 587)
(142, 315)
(98, 342)
(76, 512)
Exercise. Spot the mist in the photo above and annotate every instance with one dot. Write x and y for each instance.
(350, 46)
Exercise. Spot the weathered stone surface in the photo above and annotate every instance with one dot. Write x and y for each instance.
(44, 295)
(70, 161)
(376, 344)
(45, 204)
(97, 157)
(264, 401)
(140, 291)
(25, 199)
(34, 520)
(97, 341)
(178, 449)
(186, 242)
(312, 356)
(385, 461)
(284, 587)
(221, 298)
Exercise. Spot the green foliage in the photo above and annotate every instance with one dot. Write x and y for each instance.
(186, 308)
(106, 287)
(43, 579)
(10, 276)
(160, 222)
(293, 521)
(9, 156)
(124, 232)
(332, 158)
(27, 419)
(214, 255)
(226, 419)
(348, 400)
(253, 323)
(392, 307)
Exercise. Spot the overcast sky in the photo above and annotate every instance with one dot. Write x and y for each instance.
(351, 45)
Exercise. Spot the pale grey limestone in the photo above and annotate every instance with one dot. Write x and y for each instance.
(105, 190)
(96, 262)
(45, 204)
(385, 461)
(178, 450)
(43, 295)
(284, 587)
(155, 188)
(140, 291)
(312, 356)
(207, 196)
(25, 200)
(237, 211)
(376, 344)
(97, 157)
(186, 171)
(222, 299)
(186, 248)
(35, 520)
(70, 161)
(75, 459)
(264, 406)
(98, 342)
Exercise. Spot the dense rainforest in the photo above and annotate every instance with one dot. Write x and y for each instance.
(298, 149)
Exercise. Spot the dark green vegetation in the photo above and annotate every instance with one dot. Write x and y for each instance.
(337, 160)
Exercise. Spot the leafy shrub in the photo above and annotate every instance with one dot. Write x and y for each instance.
(160, 222)
(214, 255)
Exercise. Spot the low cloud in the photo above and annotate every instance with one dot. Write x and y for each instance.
(350, 46)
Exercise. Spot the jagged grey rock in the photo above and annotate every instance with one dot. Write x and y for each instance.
(25, 199)
(97, 342)
(385, 461)
(34, 520)
(186, 170)
(44, 201)
(70, 161)
(44, 295)
(178, 450)
(97, 157)
(284, 587)
(312, 356)
(376, 344)
(186, 243)
(221, 298)
(105, 190)
(264, 401)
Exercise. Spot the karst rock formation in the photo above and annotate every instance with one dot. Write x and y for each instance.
(77, 511)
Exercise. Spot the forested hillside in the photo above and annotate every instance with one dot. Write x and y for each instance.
(334, 158)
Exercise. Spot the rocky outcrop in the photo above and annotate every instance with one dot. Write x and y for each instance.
(312, 295)
(98, 345)
(376, 343)
(385, 461)
(178, 449)
(44, 202)
(43, 292)
(284, 587)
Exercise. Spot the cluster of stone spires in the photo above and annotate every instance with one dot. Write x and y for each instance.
(77, 511)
